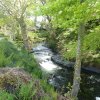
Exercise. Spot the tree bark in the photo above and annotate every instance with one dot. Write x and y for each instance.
(77, 68)
(24, 34)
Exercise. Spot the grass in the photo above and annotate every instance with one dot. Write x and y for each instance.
(10, 56)
(5, 95)
(30, 91)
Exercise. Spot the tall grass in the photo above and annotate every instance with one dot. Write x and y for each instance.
(30, 91)
(6, 96)
(10, 56)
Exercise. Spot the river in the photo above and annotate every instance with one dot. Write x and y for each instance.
(61, 78)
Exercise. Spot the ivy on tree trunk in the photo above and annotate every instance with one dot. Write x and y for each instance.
(77, 68)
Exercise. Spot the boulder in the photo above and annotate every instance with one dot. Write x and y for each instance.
(70, 65)
(60, 61)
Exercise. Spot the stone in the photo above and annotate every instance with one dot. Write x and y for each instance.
(70, 65)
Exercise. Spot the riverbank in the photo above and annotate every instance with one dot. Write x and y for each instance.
(61, 78)
(70, 65)
(20, 75)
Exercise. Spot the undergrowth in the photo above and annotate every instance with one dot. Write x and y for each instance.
(10, 56)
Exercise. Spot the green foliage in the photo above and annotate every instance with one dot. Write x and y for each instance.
(52, 44)
(43, 33)
(31, 91)
(3, 59)
(6, 96)
(91, 46)
(4, 19)
(92, 41)
(52, 95)
(67, 15)
(71, 12)
(26, 60)
(35, 37)
(7, 47)
(26, 92)
(22, 58)
(70, 52)
(10, 56)
(8, 53)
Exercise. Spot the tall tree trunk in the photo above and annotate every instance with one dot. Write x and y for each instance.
(13, 30)
(77, 68)
(24, 33)
(35, 19)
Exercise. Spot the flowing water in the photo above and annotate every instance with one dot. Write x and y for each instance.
(61, 78)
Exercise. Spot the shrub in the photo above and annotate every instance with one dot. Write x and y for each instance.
(8, 53)
(12, 57)
(33, 90)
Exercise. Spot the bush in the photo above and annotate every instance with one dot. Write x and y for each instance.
(69, 51)
(12, 57)
(92, 42)
(8, 53)
(33, 90)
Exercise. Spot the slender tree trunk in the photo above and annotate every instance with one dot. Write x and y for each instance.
(17, 29)
(77, 68)
(24, 33)
(13, 30)
(35, 19)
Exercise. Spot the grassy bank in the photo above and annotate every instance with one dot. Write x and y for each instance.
(36, 89)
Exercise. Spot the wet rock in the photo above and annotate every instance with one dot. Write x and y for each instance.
(58, 60)
(57, 82)
(70, 65)
(91, 70)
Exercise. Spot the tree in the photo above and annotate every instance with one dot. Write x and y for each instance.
(77, 67)
(73, 14)
(81, 32)
(16, 9)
